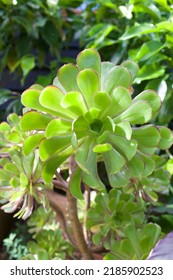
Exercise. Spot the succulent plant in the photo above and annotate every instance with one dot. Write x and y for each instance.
(89, 112)
(20, 175)
(112, 211)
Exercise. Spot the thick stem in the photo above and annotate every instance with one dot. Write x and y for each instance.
(77, 228)
(74, 220)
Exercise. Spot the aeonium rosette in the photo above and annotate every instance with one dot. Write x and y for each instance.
(20, 175)
(89, 112)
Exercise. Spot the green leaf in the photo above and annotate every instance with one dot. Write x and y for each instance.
(53, 145)
(89, 59)
(101, 100)
(151, 97)
(85, 156)
(132, 67)
(4, 127)
(149, 164)
(58, 127)
(88, 82)
(114, 161)
(27, 64)
(74, 102)
(13, 137)
(51, 165)
(138, 113)
(102, 148)
(150, 71)
(118, 180)
(131, 234)
(32, 142)
(117, 76)
(67, 75)
(105, 68)
(125, 147)
(121, 100)
(81, 127)
(35, 121)
(50, 98)
(147, 136)
(136, 166)
(138, 30)
(75, 184)
(166, 140)
(124, 129)
(13, 119)
(148, 49)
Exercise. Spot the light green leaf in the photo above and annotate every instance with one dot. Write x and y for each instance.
(81, 127)
(92, 115)
(31, 142)
(166, 140)
(125, 147)
(13, 137)
(124, 129)
(75, 184)
(118, 180)
(136, 166)
(89, 59)
(148, 49)
(50, 98)
(116, 77)
(53, 145)
(149, 164)
(151, 97)
(102, 148)
(67, 75)
(35, 121)
(138, 113)
(150, 71)
(4, 127)
(85, 157)
(138, 30)
(58, 127)
(51, 165)
(105, 68)
(121, 100)
(132, 67)
(147, 136)
(27, 64)
(13, 119)
(113, 160)
(88, 82)
(74, 102)
(101, 100)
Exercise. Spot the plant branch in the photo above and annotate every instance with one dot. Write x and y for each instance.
(75, 223)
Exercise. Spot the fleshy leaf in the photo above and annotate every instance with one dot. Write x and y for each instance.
(89, 59)
(136, 166)
(74, 102)
(102, 148)
(50, 98)
(75, 184)
(147, 136)
(114, 161)
(53, 163)
(138, 113)
(58, 127)
(118, 180)
(118, 76)
(166, 139)
(124, 129)
(35, 121)
(67, 75)
(151, 97)
(102, 100)
(88, 82)
(80, 126)
(31, 142)
(126, 147)
(121, 100)
(105, 68)
(132, 67)
(55, 144)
